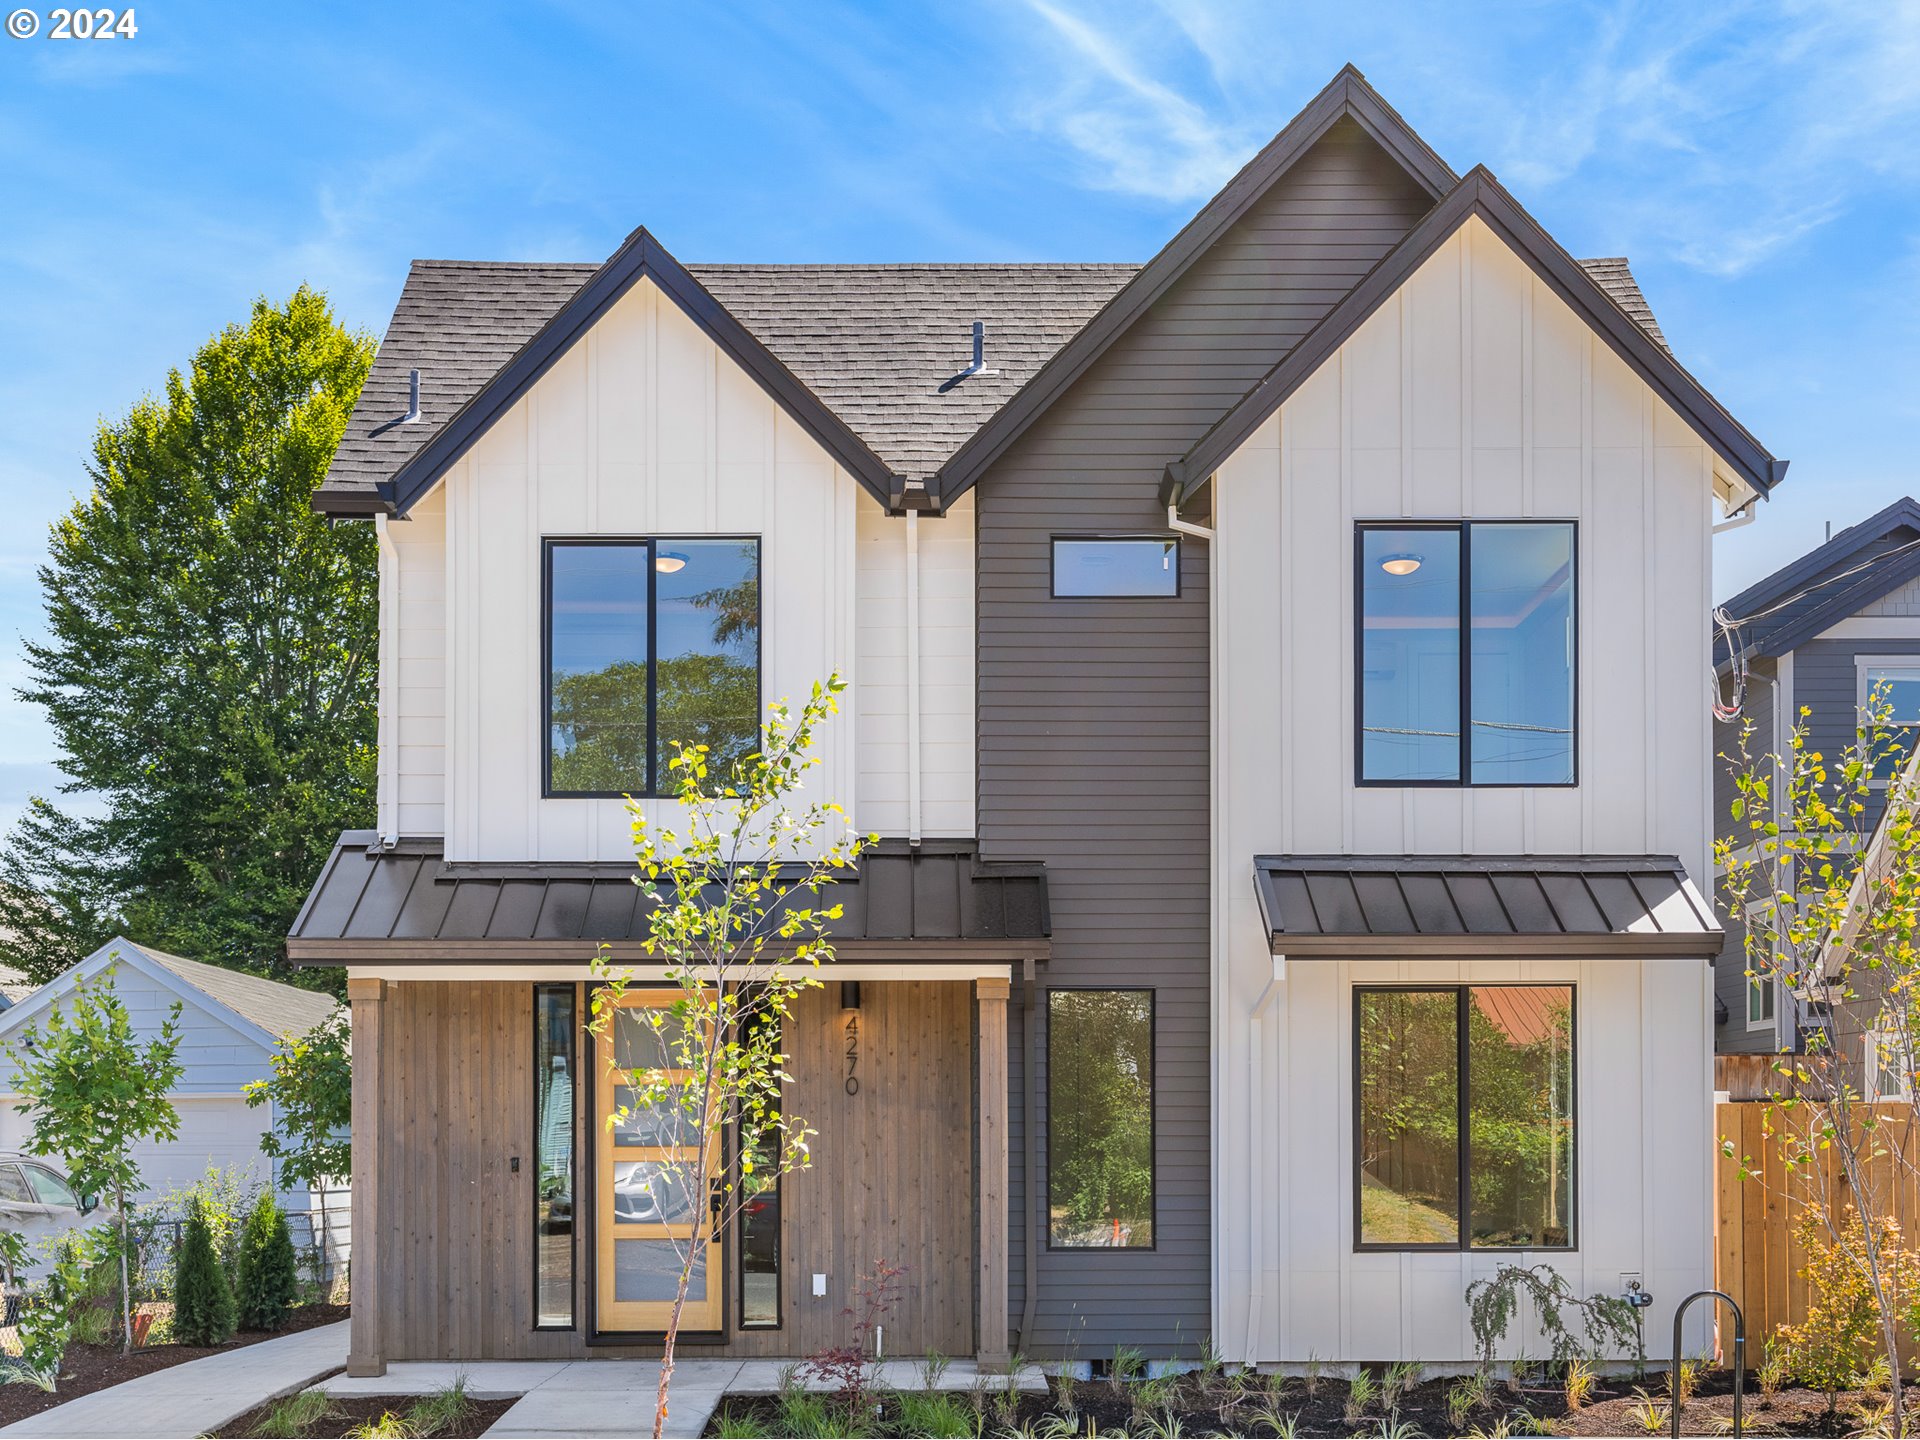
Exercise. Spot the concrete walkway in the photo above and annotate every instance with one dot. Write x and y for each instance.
(593, 1398)
(202, 1395)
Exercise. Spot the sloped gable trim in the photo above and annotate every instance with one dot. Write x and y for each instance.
(641, 256)
(1480, 194)
(122, 951)
(1348, 95)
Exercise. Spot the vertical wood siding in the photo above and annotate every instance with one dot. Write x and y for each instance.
(1093, 748)
(1474, 392)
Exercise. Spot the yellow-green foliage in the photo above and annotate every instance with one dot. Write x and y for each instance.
(1837, 1340)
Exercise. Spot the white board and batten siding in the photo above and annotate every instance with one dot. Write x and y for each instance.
(1474, 392)
(645, 427)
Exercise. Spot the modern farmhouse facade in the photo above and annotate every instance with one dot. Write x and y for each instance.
(1278, 672)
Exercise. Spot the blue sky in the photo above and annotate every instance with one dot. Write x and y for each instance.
(1757, 163)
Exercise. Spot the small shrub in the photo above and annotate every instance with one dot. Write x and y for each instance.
(1396, 1381)
(45, 1329)
(1842, 1326)
(1648, 1413)
(1461, 1404)
(1771, 1372)
(202, 1302)
(1520, 1372)
(295, 1415)
(936, 1414)
(1311, 1371)
(802, 1412)
(1284, 1427)
(741, 1427)
(1682, 1379)
(1606, 1321)
(447, 1408)
(1128, 1364)
(388, 1427)
(268, 1273)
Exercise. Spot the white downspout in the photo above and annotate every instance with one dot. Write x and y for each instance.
(913, 677)
(1186, 527)
(387, 757)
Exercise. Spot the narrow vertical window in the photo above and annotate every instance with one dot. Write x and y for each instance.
(1521, 599)
(1100, 1163)
(760, 1215)
(553, 1115)
(1464, 1124)
(1410, 655)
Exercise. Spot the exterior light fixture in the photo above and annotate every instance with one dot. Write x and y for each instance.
(669, 562)
(1402, 564)
(849, 994)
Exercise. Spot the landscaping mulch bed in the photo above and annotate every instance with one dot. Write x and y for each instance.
(94, 1367)
(1198, 1406)
(347, 1413)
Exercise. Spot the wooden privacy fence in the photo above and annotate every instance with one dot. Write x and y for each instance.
(1755, 1258)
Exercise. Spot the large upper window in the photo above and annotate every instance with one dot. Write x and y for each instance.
(648, 643)
(1100, 1118)
(1464, 1138)
(1472, 620)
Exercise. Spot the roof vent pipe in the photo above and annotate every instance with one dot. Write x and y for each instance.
(412, 417)
(978, 366)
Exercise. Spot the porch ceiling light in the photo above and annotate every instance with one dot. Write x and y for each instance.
(669, 562)
(1402, 564)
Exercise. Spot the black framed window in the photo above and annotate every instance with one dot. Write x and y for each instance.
(648, 643)
(554, 1030)
(1463, 1117)
(760, 1213)
(1140, 567)
(1100, 1151)
(1473, 620)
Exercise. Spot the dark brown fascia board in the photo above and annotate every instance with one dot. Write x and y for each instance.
(1479, 193)
(1347, 95)
(1637, 945)
(640, 255)
(500, 952)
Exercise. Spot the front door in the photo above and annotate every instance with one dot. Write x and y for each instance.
(646, 1211)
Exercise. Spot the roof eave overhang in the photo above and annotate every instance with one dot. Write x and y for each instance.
(508, 952)
(1347, 96)
(1480, 195)
(640, 257)
(1416, 947)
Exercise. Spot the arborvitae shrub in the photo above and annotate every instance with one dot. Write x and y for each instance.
(202, 1299)
(269, 1280)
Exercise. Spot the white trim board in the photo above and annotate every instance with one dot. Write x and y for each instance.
(1873, 627)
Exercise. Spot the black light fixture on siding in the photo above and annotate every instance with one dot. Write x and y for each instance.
(849, 994)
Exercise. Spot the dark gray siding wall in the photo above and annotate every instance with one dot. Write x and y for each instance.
(1826, 679)
(1729, 975)
(1094, 714)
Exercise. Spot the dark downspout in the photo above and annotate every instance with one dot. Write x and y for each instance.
(1028, 1037)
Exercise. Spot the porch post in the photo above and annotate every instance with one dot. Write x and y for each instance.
(365, 1353)
(992, 996)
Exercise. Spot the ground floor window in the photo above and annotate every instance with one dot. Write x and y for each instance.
(554, 1027)
(760, 1216)
(1100, 1170)
(1464, 1121)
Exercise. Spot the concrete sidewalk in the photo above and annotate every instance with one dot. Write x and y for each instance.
(202, 1395)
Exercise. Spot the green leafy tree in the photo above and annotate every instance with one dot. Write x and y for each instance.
(310, 1091)
(1833, 920)
(208, 664)
(731, 923)
(203, 1309)
(269, 1279)
(94, 1090)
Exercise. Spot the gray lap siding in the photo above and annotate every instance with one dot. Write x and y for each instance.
(1094, 719)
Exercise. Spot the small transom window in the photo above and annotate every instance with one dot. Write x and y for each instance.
(1121, 566)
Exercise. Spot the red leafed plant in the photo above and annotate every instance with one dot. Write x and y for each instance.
(848, 1368)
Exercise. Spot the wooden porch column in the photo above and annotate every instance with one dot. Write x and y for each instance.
(366, 1355)
(992, 1344)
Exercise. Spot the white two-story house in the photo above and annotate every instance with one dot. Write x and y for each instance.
(1280, 672)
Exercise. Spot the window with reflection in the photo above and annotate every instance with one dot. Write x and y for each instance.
(1117, 566)
(1892, 687)
(553, 1113)
(1465, 1128)
(649, 644)
(1469, 620)
(1100, 1118)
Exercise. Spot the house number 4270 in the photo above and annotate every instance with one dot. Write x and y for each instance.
(853, 1053)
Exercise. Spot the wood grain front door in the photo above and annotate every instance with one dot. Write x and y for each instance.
(645, 1212)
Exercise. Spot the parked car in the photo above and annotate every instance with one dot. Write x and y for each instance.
(38, 1202)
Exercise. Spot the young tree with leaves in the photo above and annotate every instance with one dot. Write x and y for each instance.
(93, 1091)
(1831, 919)
(208, 666)
(731, 924)
(310, 1093)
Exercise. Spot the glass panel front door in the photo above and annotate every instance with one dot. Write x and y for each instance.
(646, 1211)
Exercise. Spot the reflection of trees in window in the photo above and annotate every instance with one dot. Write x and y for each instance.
(599, 722)
(1515, 1107)
(1100, 1117)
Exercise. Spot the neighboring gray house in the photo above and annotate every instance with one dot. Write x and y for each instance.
(230, 1025)
(1270, 672)
(1817, 634)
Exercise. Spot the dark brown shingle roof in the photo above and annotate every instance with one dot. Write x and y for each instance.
(874, 342)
